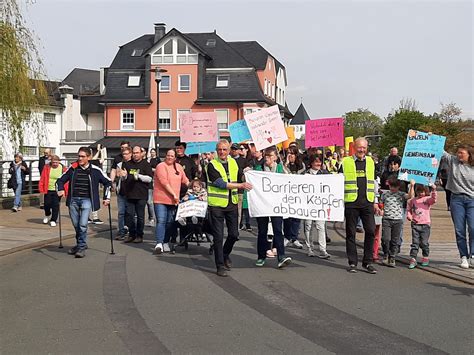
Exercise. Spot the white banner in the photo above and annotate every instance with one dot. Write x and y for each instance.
(192, 208)
(315, 197)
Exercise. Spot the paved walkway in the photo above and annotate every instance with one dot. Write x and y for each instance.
(25, 230)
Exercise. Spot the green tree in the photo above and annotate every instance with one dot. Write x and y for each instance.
(21, 67)
(362, 123)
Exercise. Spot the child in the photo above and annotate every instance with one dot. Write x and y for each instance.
(196, 191)
(392, 220)
(419, 214)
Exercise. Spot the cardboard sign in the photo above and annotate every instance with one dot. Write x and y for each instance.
(421, 157)
(198, 127)
(200, 147)
(266, 127)
(192, 208)
(290, 132)
(239, 132)
(313, 197)
(323, 132)
(347, 142)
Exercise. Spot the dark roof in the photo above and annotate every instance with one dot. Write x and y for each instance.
(90, 104)
(118, 90)
(301, 116)
(255, 54)
(83, 81)
(51, 87)
(124, 60)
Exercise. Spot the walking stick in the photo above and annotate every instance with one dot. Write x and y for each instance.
(60, 230)
(110, 229)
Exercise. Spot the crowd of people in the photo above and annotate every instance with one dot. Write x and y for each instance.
(377, 202)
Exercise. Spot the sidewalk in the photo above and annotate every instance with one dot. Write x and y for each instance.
(444, 255)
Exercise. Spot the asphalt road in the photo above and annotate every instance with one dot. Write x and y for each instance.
(134, 302)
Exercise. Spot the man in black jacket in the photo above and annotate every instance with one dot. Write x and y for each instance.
(188, 164)
(137, 176)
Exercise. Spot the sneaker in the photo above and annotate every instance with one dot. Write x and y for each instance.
(182, 221)
(52, 224)
(425, 262)
(412, 263)
(89, 221)
(270, 254)
(260, 262)
(129, 239)
(158, 248)
(166, 248)
(138, 240)
(471, 263)
(352, 269)
(464, 263)
(391, 262)
(249, 229)
(274, 250)
(369, 268)
(385, 261)
(80, 253)
(227, 263)
(45, 220)
(119, 237)
(241, 227)
(286, 242)
(150, 223)
(284, 262)
(194, 219)
(73, 250)
(19, 208)
(311, 252)
(15, 209)
(324, 255)
(97, 221)
(221, 272)
(297, 244)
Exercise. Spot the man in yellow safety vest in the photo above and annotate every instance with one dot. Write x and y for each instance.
(224, 179)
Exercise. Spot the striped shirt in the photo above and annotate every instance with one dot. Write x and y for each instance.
(82, 186)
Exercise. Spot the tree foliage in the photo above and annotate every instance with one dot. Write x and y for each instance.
(21, 67)
(362, 123)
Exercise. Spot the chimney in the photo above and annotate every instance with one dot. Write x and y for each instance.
(160, 30)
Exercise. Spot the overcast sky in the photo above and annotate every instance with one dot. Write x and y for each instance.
(339, 55)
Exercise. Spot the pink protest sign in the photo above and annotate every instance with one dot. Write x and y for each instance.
(266, 127)
(324, 132)
(198, 127)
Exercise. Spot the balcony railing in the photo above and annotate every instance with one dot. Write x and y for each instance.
(84, 136)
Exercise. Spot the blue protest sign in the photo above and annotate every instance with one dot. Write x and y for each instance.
(200, 147)
(239, 132)
(421, 157)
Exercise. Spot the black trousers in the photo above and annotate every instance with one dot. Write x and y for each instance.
(217, 217)
(366, 214)
(51, 205)
(135, 207)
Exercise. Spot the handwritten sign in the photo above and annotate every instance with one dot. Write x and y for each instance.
(198, 127)
(266, 127)
(323, 132)
(315, 197)
(191, 208)
(200, 147)
(421, 157)
(239, 132)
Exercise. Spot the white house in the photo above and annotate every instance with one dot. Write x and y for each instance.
(298, 121)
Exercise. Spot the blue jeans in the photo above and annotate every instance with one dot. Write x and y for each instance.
(462, 213)
(17, 202)
(122, 209)
(79, 209)
(262, 243)
(291, 228)
(165, 223)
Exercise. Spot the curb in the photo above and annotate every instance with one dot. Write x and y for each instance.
(44, 242)
(431, 269)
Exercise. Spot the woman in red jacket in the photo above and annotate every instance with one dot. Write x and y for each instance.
(47, 187)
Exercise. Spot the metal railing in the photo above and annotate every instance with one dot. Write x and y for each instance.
(32, 180)
(83, 136)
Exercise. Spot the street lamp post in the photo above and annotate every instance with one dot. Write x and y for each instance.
(158, 72)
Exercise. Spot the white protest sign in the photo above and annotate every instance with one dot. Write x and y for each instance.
(266, 127)
(315, 197)
(192, 208)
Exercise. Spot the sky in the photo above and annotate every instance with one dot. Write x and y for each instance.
(339, 55)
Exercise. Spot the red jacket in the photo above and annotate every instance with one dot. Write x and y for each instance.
(44, 180)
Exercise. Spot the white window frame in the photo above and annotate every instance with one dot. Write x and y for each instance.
(134, 81)
(170, 118)
(227, 112)
(178, 112)
(223, 82)
(51, 119)
(169, 88)
(180, 89)
(191, 58)
(127, 126)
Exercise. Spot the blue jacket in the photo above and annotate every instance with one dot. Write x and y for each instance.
(97, 176)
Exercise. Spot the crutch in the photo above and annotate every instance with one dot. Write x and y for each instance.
(110, 229)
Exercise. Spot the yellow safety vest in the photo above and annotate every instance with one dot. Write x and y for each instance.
(217, 197)
(350, 179)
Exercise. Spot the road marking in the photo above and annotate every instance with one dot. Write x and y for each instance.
(127, 321)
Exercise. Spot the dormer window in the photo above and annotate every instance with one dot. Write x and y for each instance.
(137, 52)
(175, 51)
(222, 81)
(211, 43)
(134, 80)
